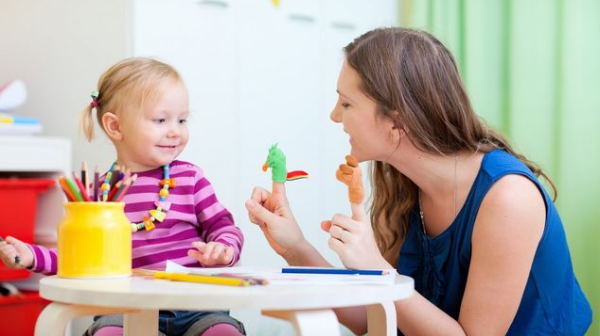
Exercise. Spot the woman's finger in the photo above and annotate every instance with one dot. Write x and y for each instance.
(345, 223)
(326, 225)
(259, 213)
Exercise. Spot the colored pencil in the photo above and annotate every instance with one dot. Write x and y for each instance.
(74, 190)
(206, 279)
(96, 184)
(332, 271)
(85, 179)
(252, 280)
(113, 191)
(121, 194)
(81, 188)
(116, 176)
(65, 187)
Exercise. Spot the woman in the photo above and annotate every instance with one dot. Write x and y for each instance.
(453, 205)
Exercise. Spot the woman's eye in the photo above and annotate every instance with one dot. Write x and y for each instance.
(345, 105)
(183, 121)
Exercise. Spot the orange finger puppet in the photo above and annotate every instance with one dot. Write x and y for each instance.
(350, 174)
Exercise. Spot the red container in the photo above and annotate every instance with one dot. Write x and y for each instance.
(18, 201)
(20, 312)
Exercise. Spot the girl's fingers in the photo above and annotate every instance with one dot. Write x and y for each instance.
(200, 246)
(217, 251)
(194, 254)
(211, 253)
(227, 254)
(208, 250)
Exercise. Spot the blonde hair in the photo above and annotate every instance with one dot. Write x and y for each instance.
(132, 83)
(411, 72)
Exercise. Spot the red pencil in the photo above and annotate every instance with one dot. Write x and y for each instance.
(113, 191)
(126, 188)
(82, 189)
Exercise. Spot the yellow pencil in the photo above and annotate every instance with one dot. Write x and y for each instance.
(206, 279)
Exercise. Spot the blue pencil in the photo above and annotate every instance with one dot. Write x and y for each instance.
(332, 271)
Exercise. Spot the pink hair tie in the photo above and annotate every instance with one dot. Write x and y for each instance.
(94, 96)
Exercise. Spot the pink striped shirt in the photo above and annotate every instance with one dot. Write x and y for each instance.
(195, 215)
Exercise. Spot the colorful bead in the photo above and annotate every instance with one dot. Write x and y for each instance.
(106, 185)
(158, 215)
(169, 182)
(148, 224)
(162, 206)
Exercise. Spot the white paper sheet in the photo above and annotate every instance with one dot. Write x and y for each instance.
(275, 277)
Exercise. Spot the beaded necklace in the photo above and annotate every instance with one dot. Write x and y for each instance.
(162, 206)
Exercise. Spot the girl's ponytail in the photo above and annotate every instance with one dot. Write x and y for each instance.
(86, 122)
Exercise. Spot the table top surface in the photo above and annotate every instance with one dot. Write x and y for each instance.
(145, 292)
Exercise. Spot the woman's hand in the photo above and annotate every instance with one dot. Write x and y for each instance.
(353, 240)
(15, 254)
(212, 253)
(272, 213)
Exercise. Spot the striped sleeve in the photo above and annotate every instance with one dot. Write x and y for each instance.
(44, 260)
(216, 222)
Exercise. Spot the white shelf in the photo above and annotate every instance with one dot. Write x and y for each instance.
(34, 154)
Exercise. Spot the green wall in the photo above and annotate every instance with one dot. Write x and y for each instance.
(532, 68)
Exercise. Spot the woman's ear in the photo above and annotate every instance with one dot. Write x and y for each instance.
(397, 131)
(110, 123)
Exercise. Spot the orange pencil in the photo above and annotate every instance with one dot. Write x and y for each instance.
(65, 187)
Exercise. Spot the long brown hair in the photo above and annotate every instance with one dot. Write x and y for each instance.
(411, 72)
(131, 83)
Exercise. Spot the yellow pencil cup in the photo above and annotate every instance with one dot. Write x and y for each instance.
(94, 241)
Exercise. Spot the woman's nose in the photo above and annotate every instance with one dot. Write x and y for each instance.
(335, 115)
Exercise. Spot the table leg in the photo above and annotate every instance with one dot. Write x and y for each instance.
(381, 319)
(309, 322)
(141, 323)
(56, 316)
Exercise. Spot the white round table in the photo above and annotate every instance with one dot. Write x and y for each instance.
(139, 298)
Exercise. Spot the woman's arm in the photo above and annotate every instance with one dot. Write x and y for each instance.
(271, 212)
(506, 235)
(507, 231)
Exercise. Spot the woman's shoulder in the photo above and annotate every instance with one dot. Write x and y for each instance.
(507, 176)
(498, 163)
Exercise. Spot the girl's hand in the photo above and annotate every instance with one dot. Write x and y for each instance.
(353, 240)
(11, 248)
(210, 254)
(271, 212)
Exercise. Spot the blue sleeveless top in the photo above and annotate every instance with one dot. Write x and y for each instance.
(552, 304)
